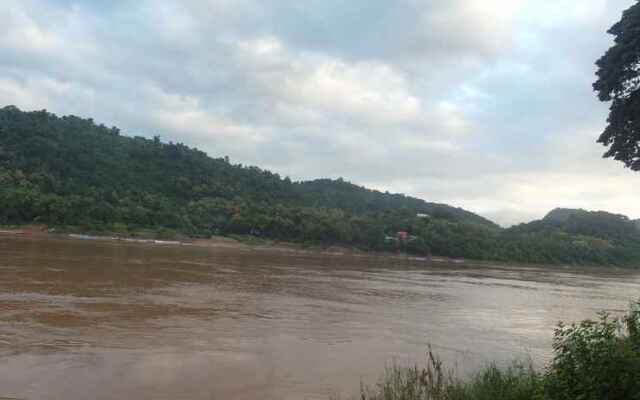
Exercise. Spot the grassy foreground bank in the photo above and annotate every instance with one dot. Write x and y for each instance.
(593, 360)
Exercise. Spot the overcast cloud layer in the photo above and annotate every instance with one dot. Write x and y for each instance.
(483, 104)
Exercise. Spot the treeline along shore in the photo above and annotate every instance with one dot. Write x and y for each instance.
(75, 175)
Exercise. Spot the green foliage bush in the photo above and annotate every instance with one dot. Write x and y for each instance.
(597, 360)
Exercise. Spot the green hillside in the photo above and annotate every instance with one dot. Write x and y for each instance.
(588, 235)
(359, 200)
(71, 172)
(600, 224)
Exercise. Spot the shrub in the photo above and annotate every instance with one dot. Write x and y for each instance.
(596, 360)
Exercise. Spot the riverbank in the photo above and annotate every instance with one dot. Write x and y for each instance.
(164, 237)
(237, 242)
(24, 230)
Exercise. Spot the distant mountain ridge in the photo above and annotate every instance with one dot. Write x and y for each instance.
(563, 214)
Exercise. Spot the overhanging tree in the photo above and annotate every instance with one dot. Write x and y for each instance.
(618, 82)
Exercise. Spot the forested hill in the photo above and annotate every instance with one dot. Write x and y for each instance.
(598, 235)
(600, 224)
(73, 173)
(346, 196)
(83, 173)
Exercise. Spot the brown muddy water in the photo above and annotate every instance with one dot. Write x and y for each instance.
(109, 320)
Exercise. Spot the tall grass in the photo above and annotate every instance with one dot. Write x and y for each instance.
(434, 382)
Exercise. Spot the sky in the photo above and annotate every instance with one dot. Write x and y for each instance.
(481, 104)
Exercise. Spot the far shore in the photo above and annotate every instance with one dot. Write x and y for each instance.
(252, 243)
(222, 242)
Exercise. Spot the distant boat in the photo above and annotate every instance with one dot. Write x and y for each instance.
(131, 240)
(84, 237)
(166, 242)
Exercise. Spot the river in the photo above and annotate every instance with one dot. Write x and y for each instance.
(111, 320)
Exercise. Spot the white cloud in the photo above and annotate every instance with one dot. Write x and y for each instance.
(372, 91)
(484, 104)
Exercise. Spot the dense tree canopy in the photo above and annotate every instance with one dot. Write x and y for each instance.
(68, 172)
(618, 82)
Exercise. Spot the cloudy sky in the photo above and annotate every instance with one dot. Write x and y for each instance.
(483, 104)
